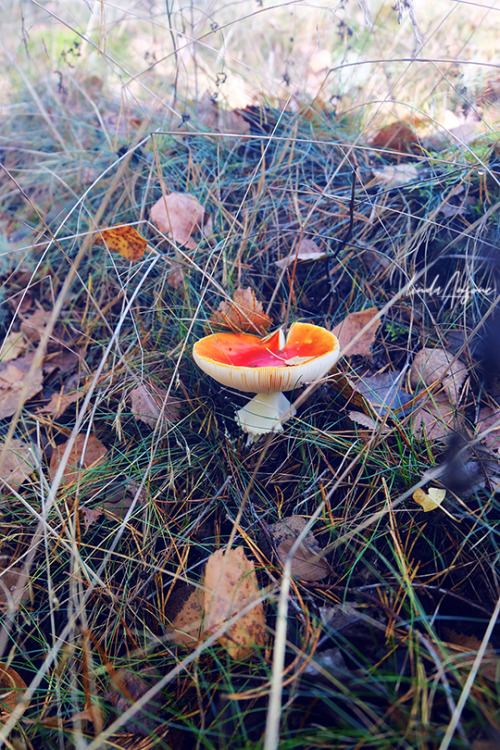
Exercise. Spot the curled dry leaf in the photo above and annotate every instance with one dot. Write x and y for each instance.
(351, 326)
(305, 564)
(13, 375)
(125, 240)
(90, 516)
(244, 314)
(86, 454)
(151, 403)
(436, 366)
(180, 215)
(307, 250)
(230, 586)
(429, 500)
(12, 687)
(18, 460)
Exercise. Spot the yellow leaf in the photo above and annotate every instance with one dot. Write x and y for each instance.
(429, 500)
(126, 240)
(231, 585)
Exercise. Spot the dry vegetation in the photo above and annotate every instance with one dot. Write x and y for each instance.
(168, 170)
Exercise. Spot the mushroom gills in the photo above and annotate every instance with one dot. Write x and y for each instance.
(263, 413)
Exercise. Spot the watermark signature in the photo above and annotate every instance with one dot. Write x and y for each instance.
(454, 290)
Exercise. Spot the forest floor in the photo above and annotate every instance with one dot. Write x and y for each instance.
(165, 579)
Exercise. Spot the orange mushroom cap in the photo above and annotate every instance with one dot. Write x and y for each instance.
(271, 364)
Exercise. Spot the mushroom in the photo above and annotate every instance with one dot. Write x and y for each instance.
(267, 366)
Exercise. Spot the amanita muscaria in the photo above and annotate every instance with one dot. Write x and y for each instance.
(267, 366)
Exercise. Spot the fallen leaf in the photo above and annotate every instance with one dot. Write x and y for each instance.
(397, 136)
(394, 175)
(175, 278)
(63, 359)
(151, 403)
(384, 392)
(125, 240)
(12, 347)
(304, 564)
(364, 420)
(186, 626)
(436, 418)
(230, 585)
(12, 686)
(354, 324)
(489, 419)
(127, 687)
(12, 377)
(429, 500)
(307, 250)
(436, 366)
(465, 644)
(18, 460)
(244, 314)
(86, 454)
(59, 402)
(33, 326)
(90, 516)
(179, 215)
(13, 588)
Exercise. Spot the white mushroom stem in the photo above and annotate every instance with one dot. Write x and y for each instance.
(263, 413)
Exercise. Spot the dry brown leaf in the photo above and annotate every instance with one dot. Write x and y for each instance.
(394, 175)
(489, 419)
(19, 460)
(90, 516)
(63, 359)
(186, 627)
(435, 366)
(307, 250)
(59, 402)
(399, 137)
(127, 687)
(304, 564)
(12, 377)
(437, 418)
(175, 278)
(125, 240)
(33, 326)
(244, 314)
(351, 326)
(151, 403)
(13, 588)
(490, 665)
(12, 686)
(87, 453)
(230, 585)
(12, 347)
(179, 215)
